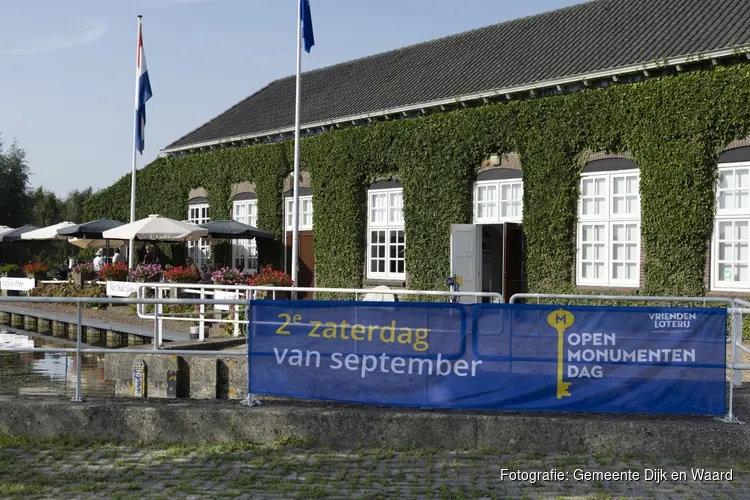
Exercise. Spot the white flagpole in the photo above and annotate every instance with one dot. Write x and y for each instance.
(295, 200)
(131, 252)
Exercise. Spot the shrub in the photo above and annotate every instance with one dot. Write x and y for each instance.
(7, 268)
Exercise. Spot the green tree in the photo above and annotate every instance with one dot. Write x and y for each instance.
(72, 206)
(14, 180)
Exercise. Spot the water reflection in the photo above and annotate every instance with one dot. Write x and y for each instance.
(43, 373)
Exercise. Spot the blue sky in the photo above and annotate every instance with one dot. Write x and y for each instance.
(67, 89)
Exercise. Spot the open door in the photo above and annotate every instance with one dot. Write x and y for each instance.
(514, 272)
(466, 244)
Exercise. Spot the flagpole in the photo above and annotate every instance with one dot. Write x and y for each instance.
(131, 252)
(295, 200)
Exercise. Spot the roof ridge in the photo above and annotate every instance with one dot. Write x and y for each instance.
(574, 40)
(349, 62)
(446, 37)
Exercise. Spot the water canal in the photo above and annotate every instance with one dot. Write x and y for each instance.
(37, 373)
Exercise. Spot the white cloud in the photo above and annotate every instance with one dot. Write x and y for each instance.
(90, 31)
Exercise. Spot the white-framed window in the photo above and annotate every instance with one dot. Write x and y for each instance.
(386, 238)
(246, 251)
(305, 213)
(730, 255)
(609, 229)
(199, 250)
(498, 201)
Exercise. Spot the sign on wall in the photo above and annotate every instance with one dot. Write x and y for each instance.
(491, 356)
(121, 288)
(18, 284)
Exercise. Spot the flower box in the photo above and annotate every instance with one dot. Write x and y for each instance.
(80, 278)
(36, 271)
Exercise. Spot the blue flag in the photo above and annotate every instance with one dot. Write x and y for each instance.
(307, 26)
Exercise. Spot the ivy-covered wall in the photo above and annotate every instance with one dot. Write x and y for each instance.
(674, 127)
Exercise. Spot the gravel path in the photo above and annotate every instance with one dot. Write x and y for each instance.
(59, 469)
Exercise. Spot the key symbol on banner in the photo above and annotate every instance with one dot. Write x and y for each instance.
(560, 320)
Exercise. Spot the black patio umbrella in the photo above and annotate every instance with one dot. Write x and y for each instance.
(90, 230)
(14, 236)
(233, 230)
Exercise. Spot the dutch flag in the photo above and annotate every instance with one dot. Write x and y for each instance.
(143, 94)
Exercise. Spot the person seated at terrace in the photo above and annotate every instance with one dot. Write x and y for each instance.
(150, 257)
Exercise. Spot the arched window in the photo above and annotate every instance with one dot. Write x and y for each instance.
(199, 250)
(245, 210)
(609, 224)
(386, 237)
(730, 248)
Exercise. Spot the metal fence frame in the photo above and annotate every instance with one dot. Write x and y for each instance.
(734, 339)
(245, 291)
(736, 307)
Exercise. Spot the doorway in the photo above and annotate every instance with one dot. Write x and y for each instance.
(488, 258)
(305, 276)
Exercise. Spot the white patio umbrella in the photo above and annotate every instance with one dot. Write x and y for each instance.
(47, 233)
(156, 228)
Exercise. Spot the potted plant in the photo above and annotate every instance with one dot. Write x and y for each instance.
(228, 276)
(147, 273)
(11, 271)
(83, 273)
(114, 272)
(268, 276)
(36, 271)
(181, 274)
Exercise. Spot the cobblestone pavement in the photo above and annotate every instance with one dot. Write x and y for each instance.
(62, 469)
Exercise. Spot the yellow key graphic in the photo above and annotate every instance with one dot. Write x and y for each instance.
(560, 320)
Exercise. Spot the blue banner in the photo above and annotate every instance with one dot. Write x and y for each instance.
(491, 356)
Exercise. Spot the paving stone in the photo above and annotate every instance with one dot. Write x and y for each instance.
(278, 473)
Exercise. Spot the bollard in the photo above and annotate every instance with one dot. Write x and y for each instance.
(43, 326)
(29, 323)
(4, 318)
(94, 335)
(59, 329)
(114, 339)
(73, 332)
(16, 321)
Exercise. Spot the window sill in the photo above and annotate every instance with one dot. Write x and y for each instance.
(607, 289)
(390, 283)
(730, 293)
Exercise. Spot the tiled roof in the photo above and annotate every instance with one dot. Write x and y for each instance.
(589, 37)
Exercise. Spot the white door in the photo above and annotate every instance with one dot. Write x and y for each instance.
(466, 244)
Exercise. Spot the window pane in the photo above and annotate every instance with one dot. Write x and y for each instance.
(741, 231)
(395, 207)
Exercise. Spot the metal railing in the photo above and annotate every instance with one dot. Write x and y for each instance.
(239, 292)
(734, 339)
(736, 307)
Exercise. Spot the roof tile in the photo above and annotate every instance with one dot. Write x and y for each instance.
(597, 35)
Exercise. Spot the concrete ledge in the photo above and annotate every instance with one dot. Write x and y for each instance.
(349, 426)
(140, 331)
